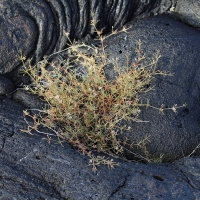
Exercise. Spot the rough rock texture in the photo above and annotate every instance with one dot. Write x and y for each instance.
(173, 134)
(6, 85)
(30, 168)
(18, 34)
(189, 12)
(29, 100)
(37, 28)
(167, 6)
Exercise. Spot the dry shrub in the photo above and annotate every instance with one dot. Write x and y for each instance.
(83, 107)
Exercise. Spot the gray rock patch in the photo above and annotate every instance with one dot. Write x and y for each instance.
(6, 85)
(28, 100)
(174, 135)
(31, 168)
(189, 12)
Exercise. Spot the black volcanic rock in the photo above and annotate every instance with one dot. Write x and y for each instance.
(31, 168)
(37, 28)
(6, 85)
(174, 135)
(188, 12)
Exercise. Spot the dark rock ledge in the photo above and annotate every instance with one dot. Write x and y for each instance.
(30, 168)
